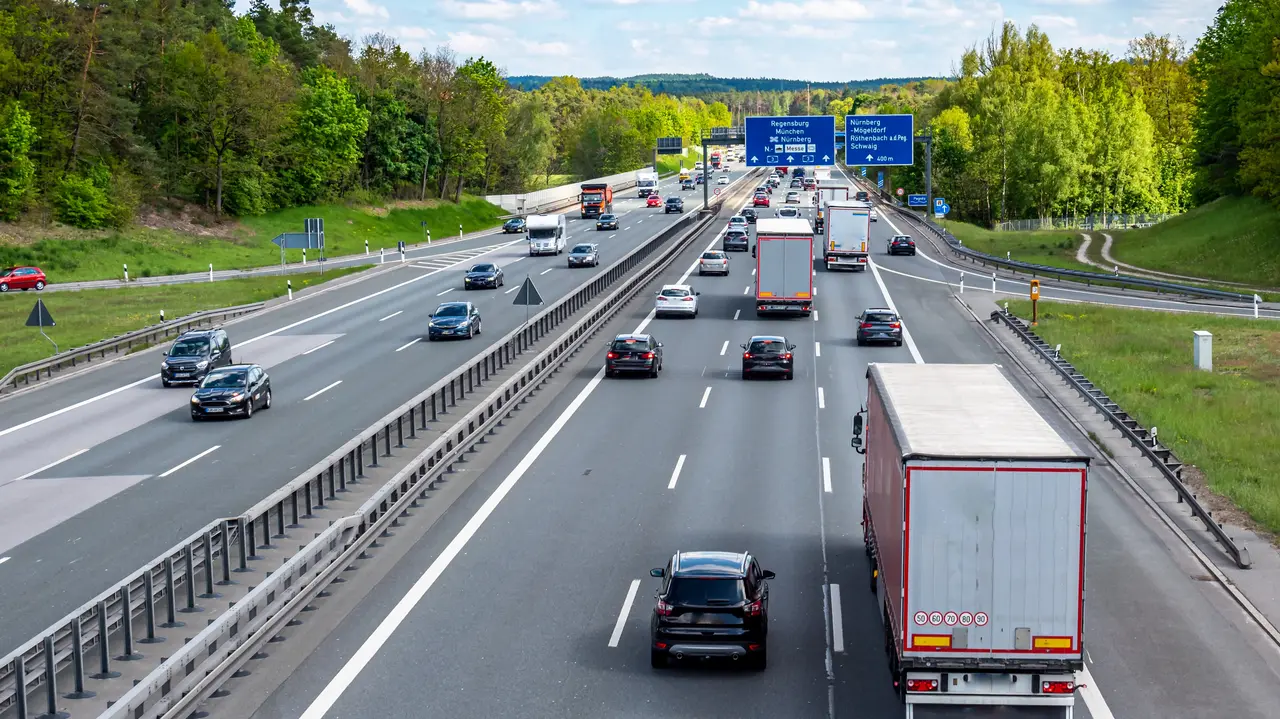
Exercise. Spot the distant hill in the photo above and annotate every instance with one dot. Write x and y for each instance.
(701, 83)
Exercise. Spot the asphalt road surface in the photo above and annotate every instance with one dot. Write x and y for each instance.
(531, 597)
(106, 470)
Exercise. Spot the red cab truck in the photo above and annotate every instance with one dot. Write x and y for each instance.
(596, 199)
(974, 513)
(784, 266)
(715, 160)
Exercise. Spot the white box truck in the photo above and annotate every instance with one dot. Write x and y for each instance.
(548, 234)
(846, 233)
(784, 266)
(973, 517)
(646, 182)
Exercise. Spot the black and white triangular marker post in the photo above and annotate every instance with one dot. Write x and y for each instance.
(41, 318)
(527, 296)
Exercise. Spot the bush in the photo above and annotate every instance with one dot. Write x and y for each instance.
(96, 199)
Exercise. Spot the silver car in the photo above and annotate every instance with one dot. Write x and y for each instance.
(788, 212)
(793, 198)
(713, 262)
(584, 255)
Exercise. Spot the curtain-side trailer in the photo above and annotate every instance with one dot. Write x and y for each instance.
(974, 513)
(846, 233)
(784, 266)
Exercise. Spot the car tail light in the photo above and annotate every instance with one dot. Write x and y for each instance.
(664, 609)
(611, 355)
(866, 325)
(1057, 687)
(746, 355)
(786, 356)
(648, 355)
(755, 609)
(895, 325)
(688, 299)
(754, 647)
(924, 685)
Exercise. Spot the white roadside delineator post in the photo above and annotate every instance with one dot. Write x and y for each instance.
(1203, 350)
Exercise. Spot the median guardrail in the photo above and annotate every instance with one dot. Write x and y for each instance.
(40, 370)
(1162, 457)
(167, 587)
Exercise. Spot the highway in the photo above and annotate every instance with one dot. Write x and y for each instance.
(531, 596)
(105, 470)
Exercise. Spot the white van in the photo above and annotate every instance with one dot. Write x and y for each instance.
(548, 234)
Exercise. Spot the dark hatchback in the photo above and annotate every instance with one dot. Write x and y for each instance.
(195, 354)
(674, 204)
(765, 355)
(484, 275)
(234, 391)
(607, 222)
(735, 240)
(879, 324)
(902, 245)
(711, 605)
(513, 225)
(454, 319)
(633, 353)
(750, 214)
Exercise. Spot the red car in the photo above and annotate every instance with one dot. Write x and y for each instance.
(653, 201)
(21, 278)
(760, 200)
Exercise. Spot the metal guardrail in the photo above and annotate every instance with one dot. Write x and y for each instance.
(1162, 457)
(32, 372)
(205, 559)
(1084, 222)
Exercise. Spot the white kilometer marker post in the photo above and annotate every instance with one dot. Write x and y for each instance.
(313, 395)
(817, 349)
(626, 610)
(837, 620)
(822, 399)
(826, 475)
(675, 474)
(705, 395)
(724, 348)
(189, 461)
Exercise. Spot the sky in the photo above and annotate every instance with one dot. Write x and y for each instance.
(823, 40)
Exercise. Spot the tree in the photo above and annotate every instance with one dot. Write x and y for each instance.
(324, 138)
(17, 171)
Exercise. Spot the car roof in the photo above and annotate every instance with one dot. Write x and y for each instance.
(199, 333)
(452, 304)
(676, 287)
(710, 564)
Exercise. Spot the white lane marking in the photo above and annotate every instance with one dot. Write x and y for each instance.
(815, 315)
(4, 559)
(622, 615)
(407, 345)
(189, 461)
(822, 399)
(675, 473)
(753, 273)
(442, 294)
(613, 235)
(313, 395)
(320, 347)
(817, 349)
(512, 262)
(369, 649)
(705, 395)
(815, 290)
(724, 348)
(837, 619)
(393, 314)
(1092, 695)
(736, 313)
(826, 475)
(906, 333)
(746, 290)
(50, 465)
(513, 289)
(546, 271)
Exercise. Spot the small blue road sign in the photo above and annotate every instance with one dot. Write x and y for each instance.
(880, 140)
(880, 180)
(917, 200)
(802, 140)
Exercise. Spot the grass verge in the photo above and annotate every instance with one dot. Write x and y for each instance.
(1055, 248)
(1232, 239)
(157, 252)
(91, 315)
(1224, 422)
(672, 163)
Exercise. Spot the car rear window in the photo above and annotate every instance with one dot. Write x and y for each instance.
(879, 317)
(705, 592)
(713, 255)
(736, 234)
(670, 292)
(630, 345)
(766, 347)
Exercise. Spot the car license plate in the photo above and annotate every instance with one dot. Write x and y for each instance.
(181, 374)
(213, 409)
(776, 307)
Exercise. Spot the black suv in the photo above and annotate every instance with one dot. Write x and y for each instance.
(711, 605)
(902, 245)
(633, 353)
(750, 214)
(193, 354)
(879, 324)
(231, 391)
(768, 354)
(674, 204)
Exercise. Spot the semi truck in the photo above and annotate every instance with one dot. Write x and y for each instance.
(646, 182)
(974, 512)
(595, 199)
(846, 234)
(784, 266)
(715, 160)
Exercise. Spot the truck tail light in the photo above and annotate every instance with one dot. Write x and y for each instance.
(1057, 687)
(924, 685)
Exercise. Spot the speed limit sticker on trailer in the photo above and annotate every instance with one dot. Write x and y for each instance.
(980, 619)
(950, 619)
(966, 619)
(921, 618)
(935, 618)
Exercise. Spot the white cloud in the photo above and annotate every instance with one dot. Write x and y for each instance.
(640, 45)
(1051, 21)
(545, 49)
(503, 10)
(819, 10)
(366, 8)
(469, 43)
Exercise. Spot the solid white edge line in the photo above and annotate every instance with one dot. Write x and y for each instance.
(50, 465)
(317, 393)
(320, 347)
(622, 615)
(705, 394)
(826, 475)
(393, 314)
(906, 333)
(724, 348)
(837, 619)
(675, 473)
(1092, 695)
(822, 399)
(407, 345)
(189, 461)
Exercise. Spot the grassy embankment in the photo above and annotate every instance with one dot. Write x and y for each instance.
(672, 163)
(1055, 248)
(1229, 240)
(1224, 422)
(88, 316)
(69, 255)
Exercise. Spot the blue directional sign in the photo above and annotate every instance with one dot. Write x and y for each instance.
(939, 201)
(917, 200)
(881, 140)
(880, 180)
(940, 206)
(802, 140)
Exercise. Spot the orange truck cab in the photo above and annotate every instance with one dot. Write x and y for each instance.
(595, 199)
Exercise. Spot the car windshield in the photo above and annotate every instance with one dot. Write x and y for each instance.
(673, 200)
(484, 268)
(592, 197)
(225, 380)
(606, 218)
(542, 234)
(879, 317)
(698, 592)
(629, 345)
(190, 348)
(514, 221)
(581, 250)
(767, 346)
(673, 292)
(451, 310)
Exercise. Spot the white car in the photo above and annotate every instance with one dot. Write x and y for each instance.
(788, 212)
(737, 221)
(726, 168)
(676, 300)
(713, 262)
(874, 217)
(724, 180)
